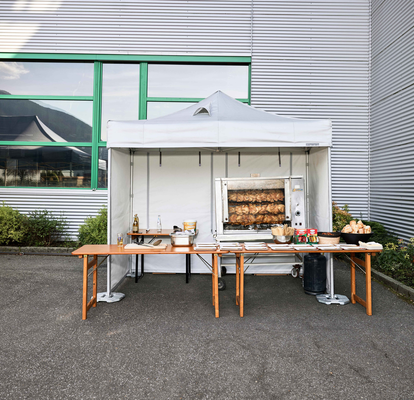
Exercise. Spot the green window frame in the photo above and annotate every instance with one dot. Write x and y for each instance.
(96, 98)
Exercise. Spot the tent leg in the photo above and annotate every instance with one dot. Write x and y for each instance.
(332, 298)
(109, 296)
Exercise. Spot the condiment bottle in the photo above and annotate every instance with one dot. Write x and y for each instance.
(135, 225)
(159, 226)
(312, 235)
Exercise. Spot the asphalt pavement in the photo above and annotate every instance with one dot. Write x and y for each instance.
(163, 342)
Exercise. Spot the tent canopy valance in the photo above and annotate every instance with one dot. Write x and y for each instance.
(219, 121)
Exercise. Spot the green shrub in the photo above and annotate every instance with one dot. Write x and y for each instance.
(340, 217)
(380, 234)
(94, 231)
(12, 226)
(44, 229)
(397, 261)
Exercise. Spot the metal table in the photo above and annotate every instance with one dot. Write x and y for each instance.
(154, 233)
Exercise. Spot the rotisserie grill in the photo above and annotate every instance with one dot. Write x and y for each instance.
(246, 208)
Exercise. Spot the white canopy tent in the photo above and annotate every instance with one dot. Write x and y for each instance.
(219, 121)
(167, 166)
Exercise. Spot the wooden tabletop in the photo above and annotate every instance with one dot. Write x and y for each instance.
(153, 232)
(113, 249)
(307, 250)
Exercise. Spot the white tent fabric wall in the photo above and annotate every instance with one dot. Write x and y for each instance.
(178, 189)
(320, 204)
(119, 208)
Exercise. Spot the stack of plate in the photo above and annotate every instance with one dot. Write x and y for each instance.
(280, 246)
(255, 246)
(327, 246)
(345, 246)
(205, 246)
(231, 246)
(303, 246)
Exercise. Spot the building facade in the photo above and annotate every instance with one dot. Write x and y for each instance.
(74, 65)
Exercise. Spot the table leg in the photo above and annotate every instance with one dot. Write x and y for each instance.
(241, 300)
(213, 286)
(95, 280)
(237, 278)
(187, 267)
(85, 287)
(368, 283)
(142, 265)
(87, 265)
(215, 277)
(189, 264)
(353, 284)
(136, 268)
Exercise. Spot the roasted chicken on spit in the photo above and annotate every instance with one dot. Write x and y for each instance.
(257, 209)
(249, 219)
(255, 196)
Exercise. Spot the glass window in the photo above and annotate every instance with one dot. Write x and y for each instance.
(199, 81)
(159, 109)
(120, 94)
(103, 168)
(45, 166)
(45, 121)
(46, 78)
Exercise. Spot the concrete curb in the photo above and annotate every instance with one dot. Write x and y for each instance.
(394, 284)
(36, 250)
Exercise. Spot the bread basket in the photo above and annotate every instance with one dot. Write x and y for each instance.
(329, 237)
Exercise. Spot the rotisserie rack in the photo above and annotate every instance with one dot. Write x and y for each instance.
(248, 207)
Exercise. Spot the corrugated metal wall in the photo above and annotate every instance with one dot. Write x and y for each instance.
(311, 60)
(392, 115)
(126, 27)
(76, 205)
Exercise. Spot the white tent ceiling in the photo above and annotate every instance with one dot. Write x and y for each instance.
(223, 122)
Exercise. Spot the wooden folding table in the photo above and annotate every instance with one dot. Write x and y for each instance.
(367, 303)
(98, 250)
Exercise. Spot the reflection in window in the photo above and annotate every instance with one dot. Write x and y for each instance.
(46, 78)
(103, 168)
(199, 81)
(45, 121)
(120, 94)
(46, 166)
(159, 109)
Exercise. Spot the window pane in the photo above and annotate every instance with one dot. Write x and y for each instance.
(103, 168)
(197, 80)
(120, 94)
(45, 166)
(45, 121)
(39, 78)
(159, 109)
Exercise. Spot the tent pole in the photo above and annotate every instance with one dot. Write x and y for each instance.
(307, 189)
(331, 298)
(109, 296)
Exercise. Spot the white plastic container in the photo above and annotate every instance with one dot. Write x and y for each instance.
(190, 224)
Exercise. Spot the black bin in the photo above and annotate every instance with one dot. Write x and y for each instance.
(314, 276)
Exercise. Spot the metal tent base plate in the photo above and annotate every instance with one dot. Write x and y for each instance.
(112, 298)
(336, 299)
